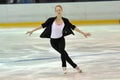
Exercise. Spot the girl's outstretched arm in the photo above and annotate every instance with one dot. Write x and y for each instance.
(84, 33)
(30, 32)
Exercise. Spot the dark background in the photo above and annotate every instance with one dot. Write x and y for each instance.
(46, 1)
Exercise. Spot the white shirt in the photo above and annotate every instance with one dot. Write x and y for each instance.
(57, 30)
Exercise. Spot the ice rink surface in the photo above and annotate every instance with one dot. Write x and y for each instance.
(24, 57)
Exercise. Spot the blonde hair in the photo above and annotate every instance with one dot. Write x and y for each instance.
(58, 6)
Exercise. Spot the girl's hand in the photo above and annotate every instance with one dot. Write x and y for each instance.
(86, 34)
(29, 32)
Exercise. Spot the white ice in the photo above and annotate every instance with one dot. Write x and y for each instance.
(24, 57)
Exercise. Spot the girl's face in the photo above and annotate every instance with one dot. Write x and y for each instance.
(58, 10)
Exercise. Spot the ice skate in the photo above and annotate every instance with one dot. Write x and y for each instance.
(65, 70)
(78, 69)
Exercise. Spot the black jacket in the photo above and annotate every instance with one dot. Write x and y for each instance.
(48, 25)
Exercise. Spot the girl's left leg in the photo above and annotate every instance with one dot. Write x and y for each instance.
(66, 56)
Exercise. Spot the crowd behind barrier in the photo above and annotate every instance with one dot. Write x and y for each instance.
(44, 1)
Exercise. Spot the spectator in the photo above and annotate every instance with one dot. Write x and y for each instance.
(3, 1)
(26, 1)
(20, 1)
(12, 1)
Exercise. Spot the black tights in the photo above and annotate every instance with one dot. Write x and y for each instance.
(59, 45)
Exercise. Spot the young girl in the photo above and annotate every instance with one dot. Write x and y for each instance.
(56, 28)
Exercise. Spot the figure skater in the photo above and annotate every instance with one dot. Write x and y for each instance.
(56, 28)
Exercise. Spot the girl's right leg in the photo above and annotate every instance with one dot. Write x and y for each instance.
(59, 46)
(55, 45)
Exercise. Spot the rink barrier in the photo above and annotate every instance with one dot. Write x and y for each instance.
(75, 22)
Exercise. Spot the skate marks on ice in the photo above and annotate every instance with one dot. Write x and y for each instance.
(97, 56)
(30, 75)
(61, 76)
